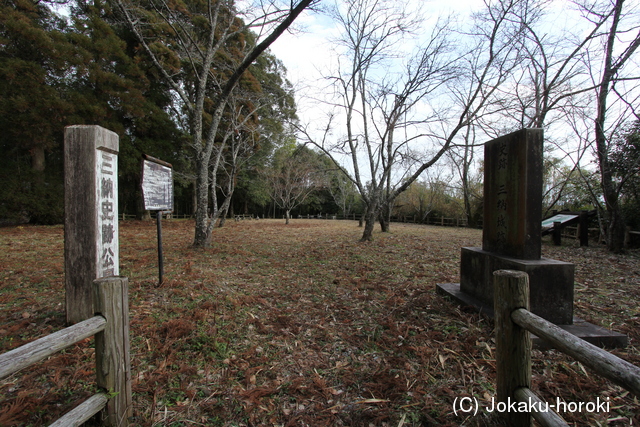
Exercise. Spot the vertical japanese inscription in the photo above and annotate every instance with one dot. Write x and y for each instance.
(513, 194)
(501, 194)
(107, 232)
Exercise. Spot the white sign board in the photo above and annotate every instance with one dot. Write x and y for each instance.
(157, 186)
(548, 223)
(107, 196)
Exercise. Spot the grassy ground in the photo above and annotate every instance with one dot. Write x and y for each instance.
(299, 325)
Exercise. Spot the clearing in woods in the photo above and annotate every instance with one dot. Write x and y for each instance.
(299, 325)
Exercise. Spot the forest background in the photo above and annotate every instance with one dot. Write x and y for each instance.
(415, 117)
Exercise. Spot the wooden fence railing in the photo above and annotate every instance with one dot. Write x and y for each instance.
(513, 322)
(442, 221)
(110, 326)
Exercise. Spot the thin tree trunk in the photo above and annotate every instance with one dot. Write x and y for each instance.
(616, 228)
(369, 222)
(202, 200)
(37, 159)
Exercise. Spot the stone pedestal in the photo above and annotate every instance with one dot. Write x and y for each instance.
(550, 281)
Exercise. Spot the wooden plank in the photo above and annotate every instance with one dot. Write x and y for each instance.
(513, 343)
(83, 412)
(35, 351)
(113, 367)
(602, 362)
(547, 418)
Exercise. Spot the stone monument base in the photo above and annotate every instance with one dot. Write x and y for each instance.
(550, 282)
(589, 332)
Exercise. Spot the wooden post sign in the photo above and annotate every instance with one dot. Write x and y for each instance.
(157, 192)
(91, 214)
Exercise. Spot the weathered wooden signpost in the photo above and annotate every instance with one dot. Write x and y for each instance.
(91, 214)
(91, 251)
(157, 192)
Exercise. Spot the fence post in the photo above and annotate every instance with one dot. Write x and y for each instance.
(113, 367)
(513, 343)
(557, 233)
(583, 229)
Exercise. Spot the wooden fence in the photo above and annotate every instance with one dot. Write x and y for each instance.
(111, 329)
(441, 220)
(513, 323)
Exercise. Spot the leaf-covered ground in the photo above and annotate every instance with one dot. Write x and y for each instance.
(300, 325)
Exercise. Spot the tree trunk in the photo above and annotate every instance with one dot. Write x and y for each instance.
(616, 228)
(194, 208)
(200, 239)
(384, 223)
(287, 216)
(369, 222)
(37, 159)
(385, 215)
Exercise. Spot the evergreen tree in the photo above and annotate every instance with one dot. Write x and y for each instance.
(34, 59)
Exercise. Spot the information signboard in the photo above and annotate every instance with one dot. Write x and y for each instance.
(157, 185)
(562, 218)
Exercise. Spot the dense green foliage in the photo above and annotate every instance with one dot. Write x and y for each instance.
(88, 68)
(56, 72)
(625, 160)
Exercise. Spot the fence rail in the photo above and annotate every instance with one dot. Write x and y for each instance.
(441, 220)
(111, 330)
(35, 351)
(513, 322)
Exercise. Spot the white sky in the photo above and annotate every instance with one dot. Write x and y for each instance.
(307, 52)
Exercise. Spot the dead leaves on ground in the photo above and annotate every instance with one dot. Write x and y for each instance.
(299, 325)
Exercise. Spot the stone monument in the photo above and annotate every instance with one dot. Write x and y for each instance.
(511, 240)
(511, 229)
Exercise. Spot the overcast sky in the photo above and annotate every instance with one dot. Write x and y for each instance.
(306, 52)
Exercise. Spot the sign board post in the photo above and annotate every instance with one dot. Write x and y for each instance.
(157, 192)
(91, 246)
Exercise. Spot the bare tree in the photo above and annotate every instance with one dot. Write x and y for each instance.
(238, 145)
(551, 88)
(621, 43)
(462, 158)
(185, 41)
(294, 177)
(399, 121)
(342, 190)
